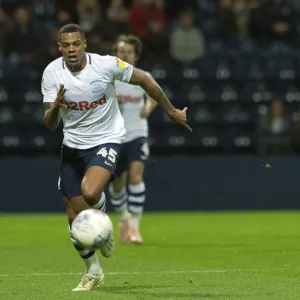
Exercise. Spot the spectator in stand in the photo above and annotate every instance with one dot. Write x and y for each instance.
(117, 17)
(147, 16)
(234, 17)
(117, 12)
(89, 13)
(22, 39)
(147, 20)
(63, 17)
(187, 43)
(5, 27)
(279, 21)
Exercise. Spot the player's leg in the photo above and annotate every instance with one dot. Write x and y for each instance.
(136, 186)
(69, 185)
(118, 195)
(136, 198)
(94, 273)
(117, 189)
(100, 168)
(93, 184)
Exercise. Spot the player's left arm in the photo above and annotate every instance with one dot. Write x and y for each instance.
(154, 91)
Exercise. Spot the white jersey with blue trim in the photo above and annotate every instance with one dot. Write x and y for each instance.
(93, 116)
(131, 100)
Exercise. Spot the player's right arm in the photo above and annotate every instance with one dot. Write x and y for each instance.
(52, 109)
(53, 100)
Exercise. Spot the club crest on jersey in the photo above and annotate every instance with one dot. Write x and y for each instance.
(97, 86)
(120, 63)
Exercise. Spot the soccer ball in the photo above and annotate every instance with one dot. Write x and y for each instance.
(92, 229)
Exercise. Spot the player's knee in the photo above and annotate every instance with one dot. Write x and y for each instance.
(90, 194)
(135, 179)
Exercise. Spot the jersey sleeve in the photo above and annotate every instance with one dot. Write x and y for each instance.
(49, 89)
(119, 70)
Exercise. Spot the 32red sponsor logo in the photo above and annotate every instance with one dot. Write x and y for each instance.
(85, 105)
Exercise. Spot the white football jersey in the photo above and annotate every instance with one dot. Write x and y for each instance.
(131, 100)
(93, 116)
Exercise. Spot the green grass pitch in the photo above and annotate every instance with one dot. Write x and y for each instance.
(185, 256)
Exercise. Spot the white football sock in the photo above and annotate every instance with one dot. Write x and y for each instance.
(136, 201)
(119, 201)
(89, 258)
(101, 205)
(92, 265)
(135, 220)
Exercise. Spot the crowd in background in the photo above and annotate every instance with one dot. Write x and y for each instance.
(169, 29)
(29, 28)
(173, 32)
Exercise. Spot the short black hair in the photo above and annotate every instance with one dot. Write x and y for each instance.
(71, 28)
(129, 39)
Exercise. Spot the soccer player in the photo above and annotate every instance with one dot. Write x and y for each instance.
(79, 88)
(135, 107)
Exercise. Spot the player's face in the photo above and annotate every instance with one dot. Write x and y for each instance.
(126, 52)
(72, 48)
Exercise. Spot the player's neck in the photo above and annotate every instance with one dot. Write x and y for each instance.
(79, 67)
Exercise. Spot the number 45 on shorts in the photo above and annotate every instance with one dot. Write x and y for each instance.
(111, 155)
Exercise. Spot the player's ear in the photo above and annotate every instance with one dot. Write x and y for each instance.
(59, 46)
(84, 43)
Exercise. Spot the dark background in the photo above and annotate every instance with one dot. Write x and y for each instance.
(173, 183)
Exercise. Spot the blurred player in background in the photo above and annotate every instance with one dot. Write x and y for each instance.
(128, 191)
(79, 88)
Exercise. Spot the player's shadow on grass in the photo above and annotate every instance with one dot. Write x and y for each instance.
(143, 293)
(128, 288)
(195, 245)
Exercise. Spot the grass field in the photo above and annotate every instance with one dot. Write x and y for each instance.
(185, 256)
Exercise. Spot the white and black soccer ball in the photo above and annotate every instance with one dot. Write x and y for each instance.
(92, 229)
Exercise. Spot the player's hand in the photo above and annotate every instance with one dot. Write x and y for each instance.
(145, 112)
(60, 98)
(179, 116)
